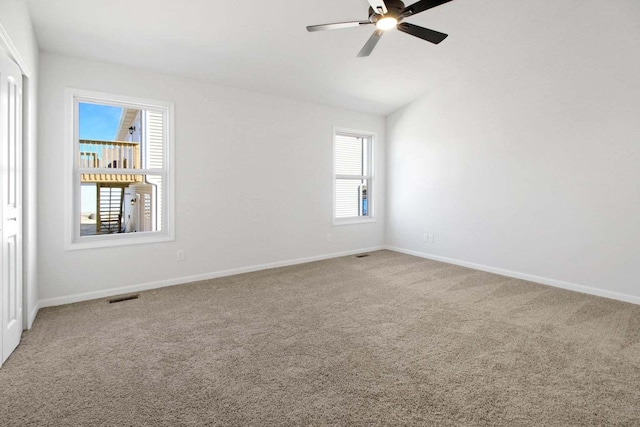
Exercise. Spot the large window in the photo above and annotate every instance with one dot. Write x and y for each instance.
(121, 180)
(353, 166)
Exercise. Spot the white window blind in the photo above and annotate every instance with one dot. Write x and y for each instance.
(349, 155)
(352, 175)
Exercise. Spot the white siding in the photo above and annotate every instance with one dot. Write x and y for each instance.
(154, 156)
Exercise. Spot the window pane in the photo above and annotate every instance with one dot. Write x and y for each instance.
(350, 156)
(119, 137)
(351, 198)
(118, 204)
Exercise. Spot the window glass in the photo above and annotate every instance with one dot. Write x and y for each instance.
(352, 175)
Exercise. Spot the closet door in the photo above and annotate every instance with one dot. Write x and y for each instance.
(11, 184)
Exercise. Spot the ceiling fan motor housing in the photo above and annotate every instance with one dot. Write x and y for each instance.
(394, 9)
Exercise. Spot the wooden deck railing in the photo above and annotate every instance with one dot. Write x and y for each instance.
(109, 154)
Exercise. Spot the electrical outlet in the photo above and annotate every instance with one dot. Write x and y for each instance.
(425, 238)
(431, 238)
(180, 255)
(329, 237)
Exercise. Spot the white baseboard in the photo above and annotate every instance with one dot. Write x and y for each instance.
(50, 302)
(529, 277)
(32, 315)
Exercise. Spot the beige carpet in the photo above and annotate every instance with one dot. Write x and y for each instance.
(388, 339)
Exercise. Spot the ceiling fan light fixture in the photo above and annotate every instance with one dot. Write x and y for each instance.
(387, 15)
(387, 23)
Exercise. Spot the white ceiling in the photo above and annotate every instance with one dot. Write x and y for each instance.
(263, 45)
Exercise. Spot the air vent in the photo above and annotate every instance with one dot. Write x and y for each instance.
(362, 256)
(125, 298)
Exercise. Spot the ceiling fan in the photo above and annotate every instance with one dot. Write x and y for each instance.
(388, 14)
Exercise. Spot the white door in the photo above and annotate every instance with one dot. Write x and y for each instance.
(11, 208)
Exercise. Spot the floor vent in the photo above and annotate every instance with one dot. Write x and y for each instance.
(362, 256)
(126, 298)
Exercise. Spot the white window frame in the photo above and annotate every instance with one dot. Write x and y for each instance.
(371, 140)
(73, 97)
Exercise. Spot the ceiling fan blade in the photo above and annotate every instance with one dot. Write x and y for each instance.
(421, 32)
(371, 43)
(377, 5)
(337, 25)
(421, 6)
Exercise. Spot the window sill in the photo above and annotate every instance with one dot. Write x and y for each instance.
(352, 221)
(107, 241)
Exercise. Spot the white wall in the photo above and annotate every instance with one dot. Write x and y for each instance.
(253, 178)
(16, 25)
(529, 161)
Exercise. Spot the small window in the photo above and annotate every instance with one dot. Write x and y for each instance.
(120, 152)
(353, 158)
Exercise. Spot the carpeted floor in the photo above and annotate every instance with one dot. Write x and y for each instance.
(388, 339)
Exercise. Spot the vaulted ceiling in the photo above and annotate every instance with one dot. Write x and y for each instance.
(263, 45)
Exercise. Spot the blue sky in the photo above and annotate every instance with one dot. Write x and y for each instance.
(99, 122)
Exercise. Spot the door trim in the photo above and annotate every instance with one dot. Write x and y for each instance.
(28, 182)
(7, 45)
